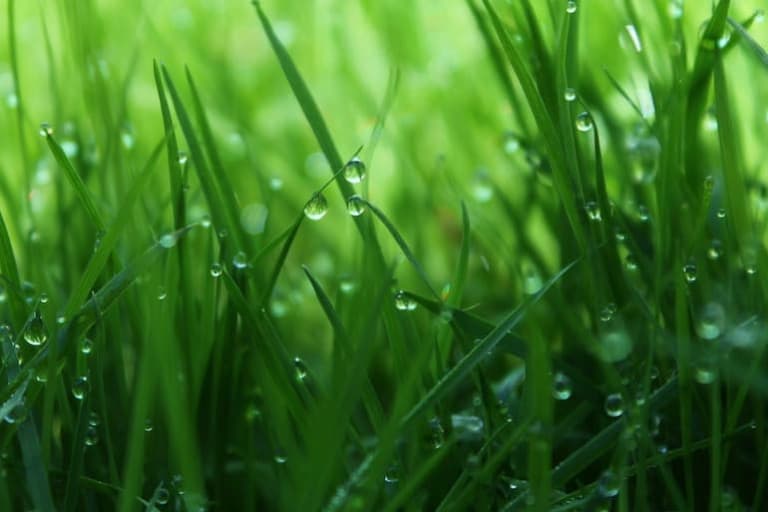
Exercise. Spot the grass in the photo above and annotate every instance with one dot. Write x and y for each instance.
(547, 293)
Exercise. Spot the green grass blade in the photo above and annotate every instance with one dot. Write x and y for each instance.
(272, 281)
(10, 272)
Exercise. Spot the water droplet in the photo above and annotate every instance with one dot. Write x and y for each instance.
(593, 211)
(240, 261)
(570, 94)
(347, 285)
(205, 221)
(167, 241)
(570, 6)
(467, 427)
(35, 333)
(721, 213)
(437, 434)
(715, 250)
(216, 269)
(614, 346)
(584, 122)
(81, 387)
(709, 185)
(562, 387)
(316, 208)
(91, 436)
(93, 419)
(275, 183)
(532, 282)
(614, 405)
(162, 294)
(705, 373)
(643, 215)
(609, 484)
(511, 143)
(675, 9)
(183, 158)
(45, 130)
(302, 372)
(354, 171)
(148, 425)
(162, 496)
(355, 205)
(281, 459)
(43, 298)
(86, 346)
(606, 314)
(403, 302)
(711, 321)
(17, 414)
(689, 272)
(61, 319)
(392, 476)
(759, 16)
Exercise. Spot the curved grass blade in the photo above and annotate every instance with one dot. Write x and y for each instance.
(281, 260)
(403, 247)
(460, 278)
(76, 181)
(749, 41)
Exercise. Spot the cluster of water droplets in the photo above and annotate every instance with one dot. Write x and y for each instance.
(354, 172)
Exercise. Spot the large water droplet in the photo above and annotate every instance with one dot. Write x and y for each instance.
(167, 241)
(316, 208)
(614, 346)
(609, 484)
(35, 333)
(614, 405)
(711, 321)
(354, 171)
(467, 427)
(81, 387)
(562, 386)
(570, 6)
(584, 122)
(355, 205)
(403, 302)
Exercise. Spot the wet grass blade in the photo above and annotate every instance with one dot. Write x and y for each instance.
(76, 181)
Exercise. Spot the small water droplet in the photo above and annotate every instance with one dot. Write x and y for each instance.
(61, 319)
(355, 205)
(532, 282)
(467, 427)
(392, 476)
(614, 346)
(162, 496)
(35, 333)
(609, 484)
(562, 387)
(689, 272)
(593, 211)
(183, 158)
(45, 129)
(86, 346)
(569, 94)
(511, 143)
(275, 183)
(17, 414)
(317, 207)
(721, 213)
(584, 122)
(216, 269)
(606, 314)
(240, 261)
(570, 6)
(167, 241)
(91, 436)
(81, 387)
(354, 171)
(437, 433)
(403, 302)
(93, 419)
(301, 370)
(148, 425)
(205, 222)
(715, 250)
(675, 9)
(43, 298)
(281, 459)
(705, 373)
(711, 321)
(162, 294)
(614, 405)
(630, 262)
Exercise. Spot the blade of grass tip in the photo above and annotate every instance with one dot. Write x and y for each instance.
(220, 177)
(108, 242)
(749, 41)
(172, 146)
(75, 180)
(403, 246)
(370, 399)
(733, 174)
(393, 83)
(220, 213)
(267, 295)
(9, 269)
(306, 101)
(460, 278)
(549, 133)
(480, 351)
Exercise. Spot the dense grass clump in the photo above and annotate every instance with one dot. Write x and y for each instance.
(383, 255)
